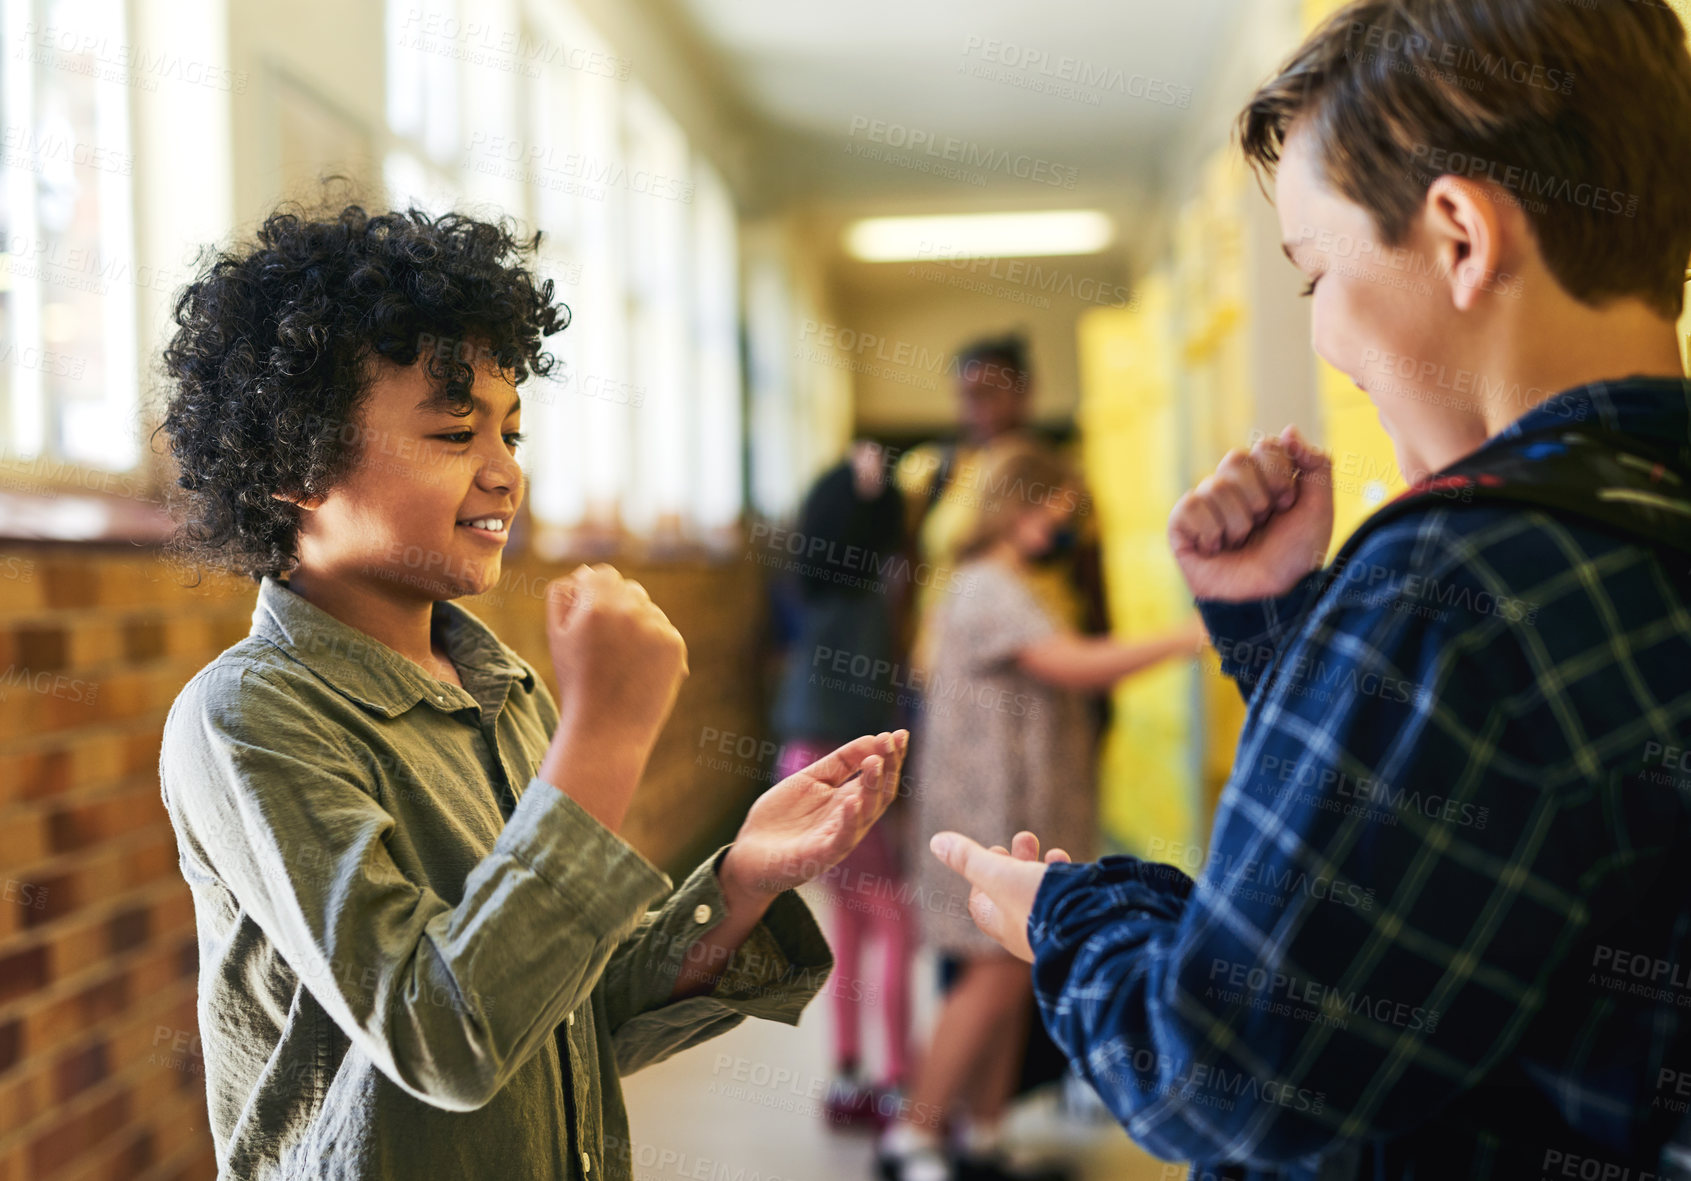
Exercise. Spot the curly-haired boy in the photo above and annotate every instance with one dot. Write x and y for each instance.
(424, 949)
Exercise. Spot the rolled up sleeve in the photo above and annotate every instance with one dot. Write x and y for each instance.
(773, 974)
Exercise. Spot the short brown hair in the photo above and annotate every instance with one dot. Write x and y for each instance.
(1581, 107)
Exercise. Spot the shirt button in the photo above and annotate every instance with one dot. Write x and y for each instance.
(586, 1163)
(701, 913)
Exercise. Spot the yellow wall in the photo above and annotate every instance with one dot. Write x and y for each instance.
(1129, 417)
(1165, 391)
(1219, 396)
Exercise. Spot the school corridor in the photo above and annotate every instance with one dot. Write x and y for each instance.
(805, 247)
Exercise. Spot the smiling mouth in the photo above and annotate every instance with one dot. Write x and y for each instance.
(491, 528)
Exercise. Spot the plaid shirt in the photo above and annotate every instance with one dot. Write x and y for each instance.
(1443, 928)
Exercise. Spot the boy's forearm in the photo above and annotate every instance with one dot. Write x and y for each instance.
(599, 772)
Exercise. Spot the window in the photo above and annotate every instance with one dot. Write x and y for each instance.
(421, 164)
(640, 434)
(69, 395)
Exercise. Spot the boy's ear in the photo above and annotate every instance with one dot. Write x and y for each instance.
(1468, 228)
(308, 502)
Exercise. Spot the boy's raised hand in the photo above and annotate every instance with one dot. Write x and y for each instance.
(620, 663)
(808, 822)
(1259, 524)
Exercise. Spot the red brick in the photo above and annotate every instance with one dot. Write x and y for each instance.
(76, 1072)
(11, 1043)
(22, 972)
(76, 1135)
(128, 928)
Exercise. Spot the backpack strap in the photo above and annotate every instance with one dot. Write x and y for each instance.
(1627, 486)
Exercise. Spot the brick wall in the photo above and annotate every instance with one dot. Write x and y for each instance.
(99, 1072)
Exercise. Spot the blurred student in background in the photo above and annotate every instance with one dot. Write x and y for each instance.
(849, 583)
(1005, 742)
(941, 483)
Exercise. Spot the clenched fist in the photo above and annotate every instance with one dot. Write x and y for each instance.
(619, 660)
(1259, 524)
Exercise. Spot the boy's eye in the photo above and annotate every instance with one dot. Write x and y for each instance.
(512, 438)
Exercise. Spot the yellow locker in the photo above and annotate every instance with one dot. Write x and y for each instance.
(1129, 425)
(1365, 471)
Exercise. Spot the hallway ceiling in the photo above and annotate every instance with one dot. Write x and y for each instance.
(822, 75)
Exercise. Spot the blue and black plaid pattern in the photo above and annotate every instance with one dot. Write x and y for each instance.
(1443, 929)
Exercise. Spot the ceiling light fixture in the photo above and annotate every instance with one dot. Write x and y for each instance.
(980, 235)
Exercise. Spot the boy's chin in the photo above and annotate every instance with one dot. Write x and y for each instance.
(478, 583)
(459, 580)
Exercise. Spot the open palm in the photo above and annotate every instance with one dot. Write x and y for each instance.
(808, 822)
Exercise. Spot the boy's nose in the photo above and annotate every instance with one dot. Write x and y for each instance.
(499, 472)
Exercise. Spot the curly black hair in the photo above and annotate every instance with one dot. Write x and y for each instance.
(269, 363)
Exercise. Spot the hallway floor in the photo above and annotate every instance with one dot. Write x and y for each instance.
(747, 1107)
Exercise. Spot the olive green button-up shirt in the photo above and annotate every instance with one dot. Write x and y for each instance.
(417, 960)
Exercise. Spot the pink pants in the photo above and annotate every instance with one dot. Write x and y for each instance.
(868, 906)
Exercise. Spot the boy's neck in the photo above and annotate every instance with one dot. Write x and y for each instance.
(1568, 345)
(405, 625)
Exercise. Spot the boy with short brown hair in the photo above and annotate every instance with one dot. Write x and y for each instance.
(1443, 930)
